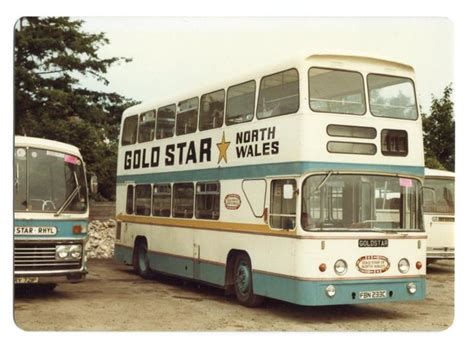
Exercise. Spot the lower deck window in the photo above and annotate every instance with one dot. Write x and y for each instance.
(366, 202)
(162, 200)
(282, 210)
(143, 199)
(207, 200)
(129, 204)
(183, 200)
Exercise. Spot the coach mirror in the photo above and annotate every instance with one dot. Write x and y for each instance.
(288, 191)
(93, 183)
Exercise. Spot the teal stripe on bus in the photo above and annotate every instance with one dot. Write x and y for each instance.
(262, 170)
(63, 227)
(281, 287)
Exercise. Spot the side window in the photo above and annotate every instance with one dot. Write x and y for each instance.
(129, 206)
(142, 199)
(351, 148)
(282, 209)
(394, 142)
(211, 114)
(129, 132)
(146, 126)
(165, 121)
(183, 200)
(186, 118)
(240, 103)
(162, 200)
(207, 200)
(279, 94)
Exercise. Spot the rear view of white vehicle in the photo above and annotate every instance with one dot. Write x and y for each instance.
(438, 204)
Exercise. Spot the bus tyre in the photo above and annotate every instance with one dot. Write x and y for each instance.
(142, 263)
(243, 282)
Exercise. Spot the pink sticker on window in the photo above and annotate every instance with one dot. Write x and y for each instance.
(71, 159)
(406, 182)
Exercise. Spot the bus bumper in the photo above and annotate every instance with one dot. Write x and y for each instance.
(316, 293)
(56, 277)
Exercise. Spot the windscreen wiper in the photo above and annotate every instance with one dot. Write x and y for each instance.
(70, 198)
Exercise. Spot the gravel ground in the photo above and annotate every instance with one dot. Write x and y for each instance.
(113, 298)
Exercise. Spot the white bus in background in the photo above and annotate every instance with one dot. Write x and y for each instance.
(51, 212)
(438, 205)
(300, 182)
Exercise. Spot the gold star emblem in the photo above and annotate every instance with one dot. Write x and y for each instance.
(223, 146)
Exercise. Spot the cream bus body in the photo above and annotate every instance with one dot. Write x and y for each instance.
(260, 238)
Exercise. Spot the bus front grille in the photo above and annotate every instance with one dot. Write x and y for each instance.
(41, 257)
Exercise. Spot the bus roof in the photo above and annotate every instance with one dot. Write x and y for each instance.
(285, 64)
(438, 173)
(47, 144)
(360, 56)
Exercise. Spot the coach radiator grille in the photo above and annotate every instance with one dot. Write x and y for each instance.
(40, 257)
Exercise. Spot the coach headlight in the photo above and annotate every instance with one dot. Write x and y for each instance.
(330, 291)
(340, 267)
(411, 287)
(76, 251)
(403, 266)
(62, 252)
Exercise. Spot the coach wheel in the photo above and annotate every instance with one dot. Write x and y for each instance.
(243, 282)
(142, 261)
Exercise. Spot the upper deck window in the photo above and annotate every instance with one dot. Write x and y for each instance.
(240, 103)
(129, 133)
(146, 126)
(279, 94)
(212, 110)
(186, 118)
(392, 96)
(165, 121)
(336, 91)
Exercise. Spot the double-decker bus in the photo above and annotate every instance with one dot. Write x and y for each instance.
(301, 182)
(51, 212)
(438, 199)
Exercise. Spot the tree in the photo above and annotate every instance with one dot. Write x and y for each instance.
(439, 132)
(50, 55)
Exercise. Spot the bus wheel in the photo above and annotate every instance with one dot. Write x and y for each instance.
(142, 263)
(243, 282)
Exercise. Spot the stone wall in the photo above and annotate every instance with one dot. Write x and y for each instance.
(101, 239)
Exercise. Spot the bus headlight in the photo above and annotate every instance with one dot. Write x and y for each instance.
(76, 251)
(331, 291)
(62, 252)
(68, 252)
(403, 266)
(411, 287)
(340, 267)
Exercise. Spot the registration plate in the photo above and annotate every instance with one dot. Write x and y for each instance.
(26, 280)
(373, 243)
(35, 230)
(368, 295)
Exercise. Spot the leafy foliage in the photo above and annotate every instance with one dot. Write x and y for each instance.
(50, 55)
(439, 132)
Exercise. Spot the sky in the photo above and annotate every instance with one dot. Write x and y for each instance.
(176, 54)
